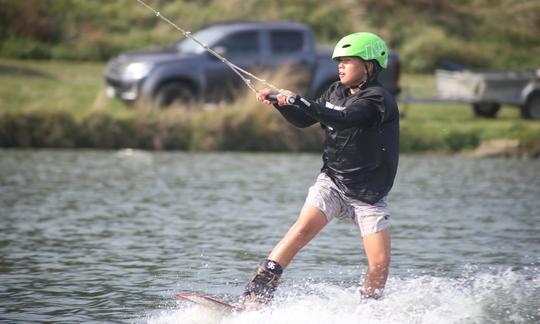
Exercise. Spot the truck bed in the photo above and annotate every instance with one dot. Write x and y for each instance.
(494, 86)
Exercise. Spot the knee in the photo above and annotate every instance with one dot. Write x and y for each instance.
(308, 226)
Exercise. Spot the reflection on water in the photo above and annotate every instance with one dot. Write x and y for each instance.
(111, 236)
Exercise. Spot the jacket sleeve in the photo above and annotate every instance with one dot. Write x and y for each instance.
(299, 117)
(296, 116)
(366, 112)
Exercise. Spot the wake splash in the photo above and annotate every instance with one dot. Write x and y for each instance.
(504, 297)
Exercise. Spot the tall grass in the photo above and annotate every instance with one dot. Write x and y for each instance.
(247, 128)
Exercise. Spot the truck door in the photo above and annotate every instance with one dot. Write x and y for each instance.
(241, 49)
(290, 48)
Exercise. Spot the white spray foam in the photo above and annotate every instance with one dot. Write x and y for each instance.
(476, 298)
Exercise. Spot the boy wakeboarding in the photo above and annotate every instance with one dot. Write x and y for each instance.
(361, 149)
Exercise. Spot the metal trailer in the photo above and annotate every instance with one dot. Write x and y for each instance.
(487, 91)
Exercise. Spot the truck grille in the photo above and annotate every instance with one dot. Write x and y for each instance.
(115, 68)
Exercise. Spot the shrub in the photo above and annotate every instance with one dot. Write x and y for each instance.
(24, 48)
(462, 140)
(433, 47)
(38, 129)
(168, 130)
(419, 139)
(101, 130)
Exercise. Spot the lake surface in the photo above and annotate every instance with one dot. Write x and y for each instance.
(88, 236)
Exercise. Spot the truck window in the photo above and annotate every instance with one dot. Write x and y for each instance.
(286, 42)
(242, 43)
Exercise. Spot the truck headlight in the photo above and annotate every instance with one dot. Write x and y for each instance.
(136, 70)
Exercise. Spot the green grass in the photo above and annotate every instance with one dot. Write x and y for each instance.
(72, 86)
(63, 104)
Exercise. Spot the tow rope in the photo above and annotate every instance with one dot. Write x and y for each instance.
(243, 74)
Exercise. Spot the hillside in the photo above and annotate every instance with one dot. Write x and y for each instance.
(480, 34)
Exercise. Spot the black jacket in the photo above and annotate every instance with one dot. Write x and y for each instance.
(361, 148)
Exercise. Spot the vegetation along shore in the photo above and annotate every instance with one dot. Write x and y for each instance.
(59, 104)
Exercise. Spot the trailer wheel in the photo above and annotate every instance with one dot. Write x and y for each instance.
(531, 110)
(175, 94)
(486, 109)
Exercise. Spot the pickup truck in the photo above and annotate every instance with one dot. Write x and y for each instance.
(185, 73)
(487, 91)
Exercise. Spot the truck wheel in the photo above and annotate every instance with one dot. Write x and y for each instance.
(531, 110)
(175, 94)
(486, 109)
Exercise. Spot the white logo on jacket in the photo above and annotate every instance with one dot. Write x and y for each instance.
(332, 106)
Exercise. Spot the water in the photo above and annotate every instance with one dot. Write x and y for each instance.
(90, 236)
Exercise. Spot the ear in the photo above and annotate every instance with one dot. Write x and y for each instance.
(371, 66)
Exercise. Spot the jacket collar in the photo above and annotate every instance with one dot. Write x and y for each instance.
(344, 91)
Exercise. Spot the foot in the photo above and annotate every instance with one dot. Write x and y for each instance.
(260, 289)
(366, 294)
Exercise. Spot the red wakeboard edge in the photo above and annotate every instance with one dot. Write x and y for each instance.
(208, 301)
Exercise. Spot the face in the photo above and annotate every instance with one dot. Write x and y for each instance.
(351, 70)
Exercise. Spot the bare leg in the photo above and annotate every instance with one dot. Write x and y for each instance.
(260, 288)
(377, 247)
(310, 222)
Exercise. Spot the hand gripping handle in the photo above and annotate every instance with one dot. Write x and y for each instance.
(273, 99)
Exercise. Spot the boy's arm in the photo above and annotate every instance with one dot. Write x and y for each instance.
(366, 112)
(295, 116)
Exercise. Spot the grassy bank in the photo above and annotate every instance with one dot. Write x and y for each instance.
(59, 104)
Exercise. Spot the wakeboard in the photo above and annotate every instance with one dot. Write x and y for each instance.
(209, 302)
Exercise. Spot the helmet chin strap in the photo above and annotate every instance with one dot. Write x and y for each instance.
(363, 83)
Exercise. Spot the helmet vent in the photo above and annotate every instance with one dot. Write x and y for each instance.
(383, 52)
(346, 45)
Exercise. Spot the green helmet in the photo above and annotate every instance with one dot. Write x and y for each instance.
(366, 46)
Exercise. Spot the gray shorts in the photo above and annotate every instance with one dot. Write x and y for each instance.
(327, 197)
